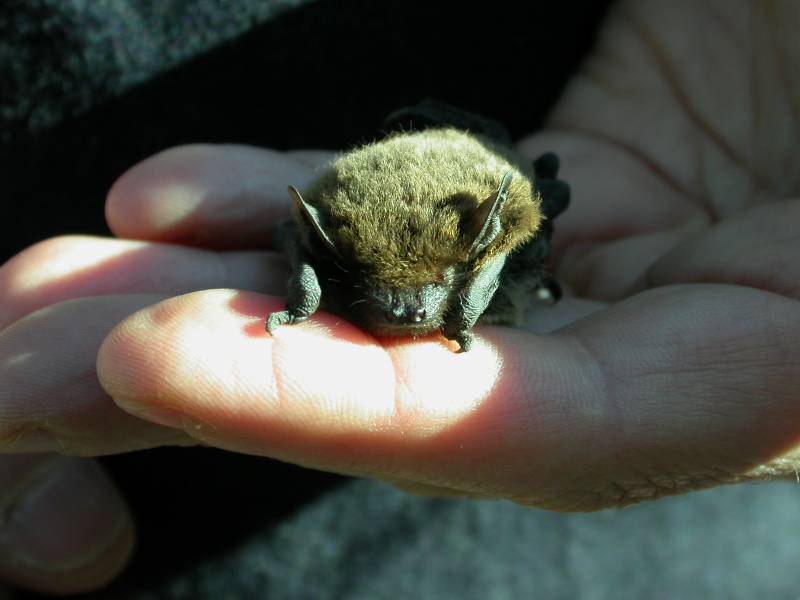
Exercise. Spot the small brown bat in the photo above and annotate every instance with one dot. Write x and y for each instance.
(423, 231)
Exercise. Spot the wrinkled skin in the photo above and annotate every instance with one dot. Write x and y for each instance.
(673, 367)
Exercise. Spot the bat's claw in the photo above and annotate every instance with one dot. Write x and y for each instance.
(283, 317)
(463, 338)
(549, 292)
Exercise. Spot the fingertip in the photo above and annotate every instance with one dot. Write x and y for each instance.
(207, 357)
(125, 362)
(158, 193)
(66, 529)
(217, 196)
(58, 269)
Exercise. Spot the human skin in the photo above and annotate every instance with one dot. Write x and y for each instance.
(674, 365)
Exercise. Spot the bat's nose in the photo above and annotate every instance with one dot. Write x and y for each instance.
(405, 314)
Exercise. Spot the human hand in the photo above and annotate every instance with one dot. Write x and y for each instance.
(681, 242)
(64, 526)
(684, 376)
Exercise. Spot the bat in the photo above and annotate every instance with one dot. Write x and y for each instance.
(433, 228)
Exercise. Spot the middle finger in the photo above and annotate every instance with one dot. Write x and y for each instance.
(70, 267)
(217, 196)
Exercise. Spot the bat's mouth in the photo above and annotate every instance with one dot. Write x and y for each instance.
(412, 330)
(403, 319)
(404, 310)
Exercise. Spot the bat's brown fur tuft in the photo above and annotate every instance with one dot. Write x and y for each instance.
(397, 207)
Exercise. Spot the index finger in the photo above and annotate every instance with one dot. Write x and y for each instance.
(657, 395)
(215, 196)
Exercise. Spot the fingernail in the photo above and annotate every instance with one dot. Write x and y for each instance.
(65, 516)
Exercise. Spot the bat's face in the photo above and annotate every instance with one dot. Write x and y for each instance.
(388, 282)
(400, 268)
(409, 236)
(385, 308)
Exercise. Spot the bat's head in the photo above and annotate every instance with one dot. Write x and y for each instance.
(386, 275)
(400, 228)
(401, 272)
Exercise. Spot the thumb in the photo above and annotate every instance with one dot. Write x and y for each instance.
(64, 528)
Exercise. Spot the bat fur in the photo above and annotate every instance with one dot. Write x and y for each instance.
(423, 231)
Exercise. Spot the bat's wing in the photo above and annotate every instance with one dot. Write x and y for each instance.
(432, 113)
(525, 273)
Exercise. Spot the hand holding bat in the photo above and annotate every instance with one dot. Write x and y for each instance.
(672, 359)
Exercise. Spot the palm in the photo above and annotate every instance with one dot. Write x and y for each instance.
(681, 163)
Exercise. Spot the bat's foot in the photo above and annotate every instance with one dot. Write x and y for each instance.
(283, 317)
(555, 196)
(544, 296)
(549, 292)
(463, 338)
(546, 166)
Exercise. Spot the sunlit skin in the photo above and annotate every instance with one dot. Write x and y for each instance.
(672, 366)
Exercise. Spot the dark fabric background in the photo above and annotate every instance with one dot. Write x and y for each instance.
(89, 88)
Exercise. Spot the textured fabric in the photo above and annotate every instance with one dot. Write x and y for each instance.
(60, 57)
(367, 541)
(88, 89)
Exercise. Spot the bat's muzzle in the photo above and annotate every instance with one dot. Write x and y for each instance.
(401, 311)
(402, 314)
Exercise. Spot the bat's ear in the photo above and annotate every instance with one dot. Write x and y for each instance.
(313, 216)
(483, 222)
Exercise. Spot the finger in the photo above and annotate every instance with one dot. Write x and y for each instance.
(213, 196)
(431, 491)
(549, 318)
(64, 528)
(311, 158)
(69, 267)
(610, 271)
(51, 399)
(624, 214)
(758, 248)
(657, 389)
(615, 193)
(326, 384)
